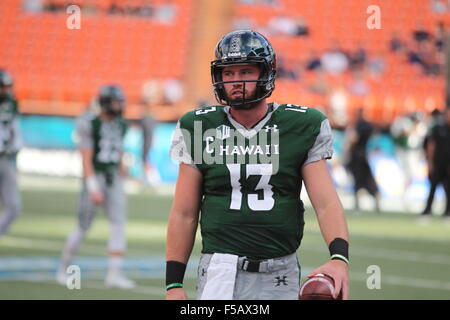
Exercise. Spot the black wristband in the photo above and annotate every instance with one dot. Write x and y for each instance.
(339, 249)
(175, 272)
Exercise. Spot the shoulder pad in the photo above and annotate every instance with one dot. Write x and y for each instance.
(295, 107)
(201, 113)
(206, 110)
(309, 112)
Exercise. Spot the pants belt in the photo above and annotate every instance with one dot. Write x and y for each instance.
(250, 265)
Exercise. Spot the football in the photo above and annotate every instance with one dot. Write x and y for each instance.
(318, 287)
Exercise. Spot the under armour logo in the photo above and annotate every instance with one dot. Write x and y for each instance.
(281, 280)
(274, 128)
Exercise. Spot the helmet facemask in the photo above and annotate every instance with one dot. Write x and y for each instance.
(113, 107)
(112, 100)
(241, 48)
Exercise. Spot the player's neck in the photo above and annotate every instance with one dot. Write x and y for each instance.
(248, 118)
(106, 116)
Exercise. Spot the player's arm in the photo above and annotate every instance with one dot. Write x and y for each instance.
(86, 158)
(89, 176)
(431, 146)
(86, 147)
(123, 169)
(182, 226)
(331, 218)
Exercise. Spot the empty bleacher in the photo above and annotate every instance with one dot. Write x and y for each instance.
(58, 70)
(401, 88)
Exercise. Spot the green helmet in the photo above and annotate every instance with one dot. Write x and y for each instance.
(244, 47)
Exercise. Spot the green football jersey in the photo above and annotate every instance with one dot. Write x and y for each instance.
(105, 138)
(10, 141)
(252, 177)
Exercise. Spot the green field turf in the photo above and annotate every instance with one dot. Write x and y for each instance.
(414, 260)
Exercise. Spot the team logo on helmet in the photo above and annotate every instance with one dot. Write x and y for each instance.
(235, 47)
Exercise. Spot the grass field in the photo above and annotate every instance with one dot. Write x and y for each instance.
(414, 260)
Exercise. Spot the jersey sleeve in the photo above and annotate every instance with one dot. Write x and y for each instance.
(179, 150)
(124, 126)
(323, 145)
(84, 137)
(17, 142)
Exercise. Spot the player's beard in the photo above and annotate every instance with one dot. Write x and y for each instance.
(239, 103)
(114, 110)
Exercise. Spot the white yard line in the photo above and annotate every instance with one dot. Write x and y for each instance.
(389, 254)
(29, 243)
(94, 275)
(154, 290)
(360, 251)
(150, 290)
(99, 285)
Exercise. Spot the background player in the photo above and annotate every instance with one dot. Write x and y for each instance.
(148, 124)
(433, 177)
(439, 159)
(358, 162)
(251, 215)
(101, 146)
(10, 143)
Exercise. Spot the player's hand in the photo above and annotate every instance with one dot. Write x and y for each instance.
(176, 294)
(123, 172)
(97, 198)
(123, 169)
(338, 270)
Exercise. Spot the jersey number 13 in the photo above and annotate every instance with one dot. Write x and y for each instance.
(254, 203)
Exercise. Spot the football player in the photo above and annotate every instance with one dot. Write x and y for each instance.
(10, 143)
(358, 136)
(439, 157)
(242, 164)
(100, 141)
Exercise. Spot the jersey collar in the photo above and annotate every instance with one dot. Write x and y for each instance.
(250, 133)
